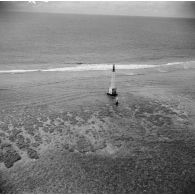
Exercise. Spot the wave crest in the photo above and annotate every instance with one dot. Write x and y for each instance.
(95, 67)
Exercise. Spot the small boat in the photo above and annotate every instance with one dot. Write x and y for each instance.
(112, 89)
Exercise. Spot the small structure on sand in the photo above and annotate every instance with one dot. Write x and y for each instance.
(112, 89)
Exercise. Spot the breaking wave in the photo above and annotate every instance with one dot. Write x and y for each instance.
(94, 67)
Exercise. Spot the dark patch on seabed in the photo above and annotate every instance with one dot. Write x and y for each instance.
(25, 129)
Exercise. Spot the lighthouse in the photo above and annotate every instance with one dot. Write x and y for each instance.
(112, 88)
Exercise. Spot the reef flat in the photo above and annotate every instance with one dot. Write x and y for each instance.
(60, 133)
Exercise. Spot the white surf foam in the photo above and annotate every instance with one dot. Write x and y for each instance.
(93, 67)
(174, 63)
(88, 67)
(84, 67)
(18, 71)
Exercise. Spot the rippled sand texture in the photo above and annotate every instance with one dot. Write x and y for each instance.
(60, 133)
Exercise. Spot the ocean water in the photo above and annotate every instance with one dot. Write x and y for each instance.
(37, 41)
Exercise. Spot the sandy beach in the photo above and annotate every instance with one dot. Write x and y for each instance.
(61, 133)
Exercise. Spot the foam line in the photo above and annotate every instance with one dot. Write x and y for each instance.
(94, 67)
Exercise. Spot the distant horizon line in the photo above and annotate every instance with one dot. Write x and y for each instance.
(90, 14)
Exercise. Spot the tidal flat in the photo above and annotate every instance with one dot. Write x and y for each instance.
(60, 133)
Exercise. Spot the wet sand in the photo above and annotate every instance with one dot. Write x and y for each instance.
(60, 133)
